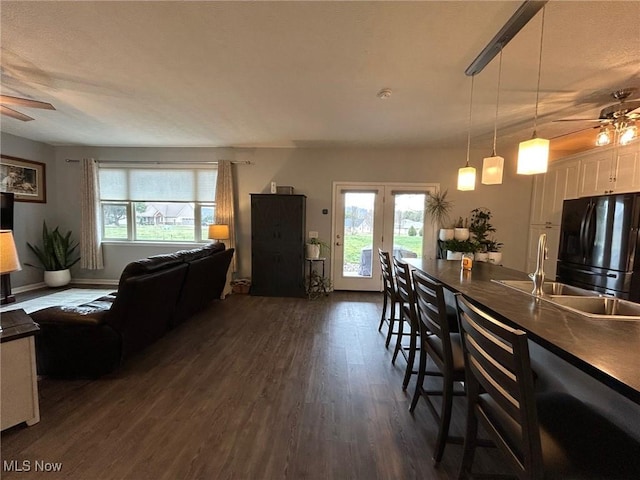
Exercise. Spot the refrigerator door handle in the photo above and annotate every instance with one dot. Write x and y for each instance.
(589, 236)
(583, 237)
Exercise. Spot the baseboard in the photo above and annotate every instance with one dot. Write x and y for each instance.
(74, 281)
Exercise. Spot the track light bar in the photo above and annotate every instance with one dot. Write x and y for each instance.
(519, 19)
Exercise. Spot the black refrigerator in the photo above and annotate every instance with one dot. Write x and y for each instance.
(598, 244)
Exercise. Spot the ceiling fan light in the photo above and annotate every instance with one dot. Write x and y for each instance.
(628, 134)
(603, 138)
(492, 170)
(533, 156)
(466, 178)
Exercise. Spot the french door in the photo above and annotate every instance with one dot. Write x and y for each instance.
(369, 216)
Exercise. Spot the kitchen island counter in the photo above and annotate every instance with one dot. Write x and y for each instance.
(606, 349)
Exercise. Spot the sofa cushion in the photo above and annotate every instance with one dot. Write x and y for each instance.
(92, 313)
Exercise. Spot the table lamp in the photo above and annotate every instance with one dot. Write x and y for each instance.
(9, 262)
(218, 232)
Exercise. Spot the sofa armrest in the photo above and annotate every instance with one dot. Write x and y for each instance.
(92, 313)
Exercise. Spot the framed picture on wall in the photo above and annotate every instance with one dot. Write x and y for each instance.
(24, 178)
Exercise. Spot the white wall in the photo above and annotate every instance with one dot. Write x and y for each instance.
(310, 171)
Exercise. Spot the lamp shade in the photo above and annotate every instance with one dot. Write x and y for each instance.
(466, 178)
(492, 168)
(9, 261)
(533, 156)
(219, 232)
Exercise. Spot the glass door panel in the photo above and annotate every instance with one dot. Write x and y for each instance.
(408, 224)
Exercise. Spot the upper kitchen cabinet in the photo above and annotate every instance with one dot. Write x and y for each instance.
(560, 182)
(610, 170)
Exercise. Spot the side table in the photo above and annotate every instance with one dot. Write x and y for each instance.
(316, 284)
(18, 374)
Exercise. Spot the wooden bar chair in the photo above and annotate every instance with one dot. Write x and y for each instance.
(408, 319)
(444, 349)
(391, 299)
(551, 435)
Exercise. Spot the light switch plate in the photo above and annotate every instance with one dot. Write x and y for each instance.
(313, 234)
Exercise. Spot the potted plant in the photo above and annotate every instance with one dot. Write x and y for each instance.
(314, 247)
(455, 248)
(480, 228)
(438, 207)
(495, 255)
(461, 231)
(56, 255)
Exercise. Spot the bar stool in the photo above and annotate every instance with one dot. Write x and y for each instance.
(390, 296)
(444, 349)
(551, 435)
(408, 319)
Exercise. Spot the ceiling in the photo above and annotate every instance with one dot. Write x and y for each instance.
(285, 74)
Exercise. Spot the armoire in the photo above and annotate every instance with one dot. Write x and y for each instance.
(278, 224)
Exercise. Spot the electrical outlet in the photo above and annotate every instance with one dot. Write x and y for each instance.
(313, 234)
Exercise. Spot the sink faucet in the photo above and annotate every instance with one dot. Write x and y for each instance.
(538, 275)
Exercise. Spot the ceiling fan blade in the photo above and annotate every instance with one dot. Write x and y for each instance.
(579, 120)
(25, 102)
(572, 133)
(13, 114)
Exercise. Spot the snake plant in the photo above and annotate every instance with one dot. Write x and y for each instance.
(57, 251)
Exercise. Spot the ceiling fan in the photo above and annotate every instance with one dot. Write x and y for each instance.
(21, 102)
(619, 118)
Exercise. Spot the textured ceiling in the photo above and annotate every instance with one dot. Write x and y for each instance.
(307, 73)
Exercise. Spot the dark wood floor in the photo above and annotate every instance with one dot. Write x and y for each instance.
(252, 388)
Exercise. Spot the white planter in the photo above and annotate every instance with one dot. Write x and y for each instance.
(454, 255)
(461, 234)
(57, 278)
(445, 234)
(481, 257)
(495, 257)
(313, 250)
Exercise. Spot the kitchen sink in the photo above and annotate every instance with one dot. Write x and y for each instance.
(548, 288)
(581, 301)
(600, 306)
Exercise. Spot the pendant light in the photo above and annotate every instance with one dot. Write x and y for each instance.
(533, 155)
(493, 166)
(467, 174)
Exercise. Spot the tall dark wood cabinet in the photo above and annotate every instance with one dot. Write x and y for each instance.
(278, 224)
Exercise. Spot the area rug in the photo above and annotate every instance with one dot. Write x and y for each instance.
(72, 296)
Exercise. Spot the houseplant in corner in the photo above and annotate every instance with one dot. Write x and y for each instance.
(56, 255)
(438, 207)
(455, 248)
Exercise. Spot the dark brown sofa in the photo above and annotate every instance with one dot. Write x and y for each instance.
(154, 295)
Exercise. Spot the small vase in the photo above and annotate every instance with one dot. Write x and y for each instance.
(461, 234)
(57, 278)
(313, 250)
(495, 257)
(454, 255)
(445, 234)
(481, 256)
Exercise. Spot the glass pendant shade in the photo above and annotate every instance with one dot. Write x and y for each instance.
(603, 138)
(466, 178)
(533, 156)
(628, 134)
(492, 168)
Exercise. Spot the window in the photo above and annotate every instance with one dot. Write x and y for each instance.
(157, 204)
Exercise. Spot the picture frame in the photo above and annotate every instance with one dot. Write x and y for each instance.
(26, 179)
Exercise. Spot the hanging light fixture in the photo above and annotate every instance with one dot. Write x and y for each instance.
(533, 155)
(493, 166)
(604, 137)
(628, 133)
(467, 174)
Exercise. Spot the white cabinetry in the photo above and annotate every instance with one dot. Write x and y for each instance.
(549, 191)
(610, 170)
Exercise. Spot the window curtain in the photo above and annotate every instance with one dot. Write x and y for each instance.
(225, 214)
(90, 245)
